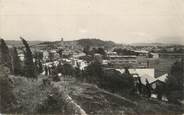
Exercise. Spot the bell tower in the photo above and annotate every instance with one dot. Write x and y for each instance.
(62, 42)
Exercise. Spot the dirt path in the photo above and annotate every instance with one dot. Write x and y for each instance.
(118, 96)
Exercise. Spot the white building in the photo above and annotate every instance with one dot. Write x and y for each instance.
(146, 74)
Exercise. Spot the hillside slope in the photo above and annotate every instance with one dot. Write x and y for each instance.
(98, 101)
(95, 43)
(34, 97)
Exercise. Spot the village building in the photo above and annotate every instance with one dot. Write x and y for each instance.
(147, 75)
(117, 61)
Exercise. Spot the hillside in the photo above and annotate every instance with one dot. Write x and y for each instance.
(35, 97)
(156, 44)
(95, 43)
(76, 43)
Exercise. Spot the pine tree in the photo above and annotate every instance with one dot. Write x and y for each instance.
(4, 54)
(15, 60)
(29, 68)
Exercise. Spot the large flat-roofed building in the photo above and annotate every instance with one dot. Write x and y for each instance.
(117, 61)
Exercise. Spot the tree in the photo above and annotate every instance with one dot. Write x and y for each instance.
(112, 81)
(4, 54)
(94, 72)
(38, 55)
(39, 67)
(51, 56)
(86, 49)
(175, 81)
(67, 69)
(29, 68)
(60, 51)
(101, 51)
(16, 64)
(78, 72)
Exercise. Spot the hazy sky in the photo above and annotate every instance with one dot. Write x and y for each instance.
(123, 21)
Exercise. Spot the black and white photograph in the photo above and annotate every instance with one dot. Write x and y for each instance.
(92, 57)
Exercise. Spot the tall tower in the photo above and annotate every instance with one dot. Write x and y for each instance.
(62, 42)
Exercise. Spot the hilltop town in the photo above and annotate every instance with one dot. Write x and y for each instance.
(91, 76)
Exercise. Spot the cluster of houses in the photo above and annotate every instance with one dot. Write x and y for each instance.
(140, 65)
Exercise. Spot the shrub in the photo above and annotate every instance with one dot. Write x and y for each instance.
(68, 69)
(116, 82)
(53, 104)
(7, 98)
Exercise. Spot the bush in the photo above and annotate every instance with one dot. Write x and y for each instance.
(110, 79)
(53, 104)
(68, 69)
(116, 82)
(7, 98)
(94, 73)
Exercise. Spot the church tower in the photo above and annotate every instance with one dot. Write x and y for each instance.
(62, 42)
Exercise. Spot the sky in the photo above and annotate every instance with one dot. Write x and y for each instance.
(122, 21)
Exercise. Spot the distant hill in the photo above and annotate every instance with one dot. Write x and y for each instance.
(155, 44)
(18, 43)
(95, 43)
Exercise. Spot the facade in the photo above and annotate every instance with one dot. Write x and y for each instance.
(117, 61)
(143, 62)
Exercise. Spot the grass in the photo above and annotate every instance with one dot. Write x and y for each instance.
(96, 101)
(31, 95)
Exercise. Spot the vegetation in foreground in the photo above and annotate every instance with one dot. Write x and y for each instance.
(107, 90)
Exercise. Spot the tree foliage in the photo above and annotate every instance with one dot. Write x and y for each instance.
(175, 81)
(86, 50)
(67, 69)
(51, 56)
(60, 52)
(4, 54)
(109, 79)
(29, 68)
(7, 98)
(94, 72)
(117, 82)
(38, 56)
(16, 64)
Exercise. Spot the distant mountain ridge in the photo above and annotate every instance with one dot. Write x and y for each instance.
(92, 42)
(18, 43)
(155, 44)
